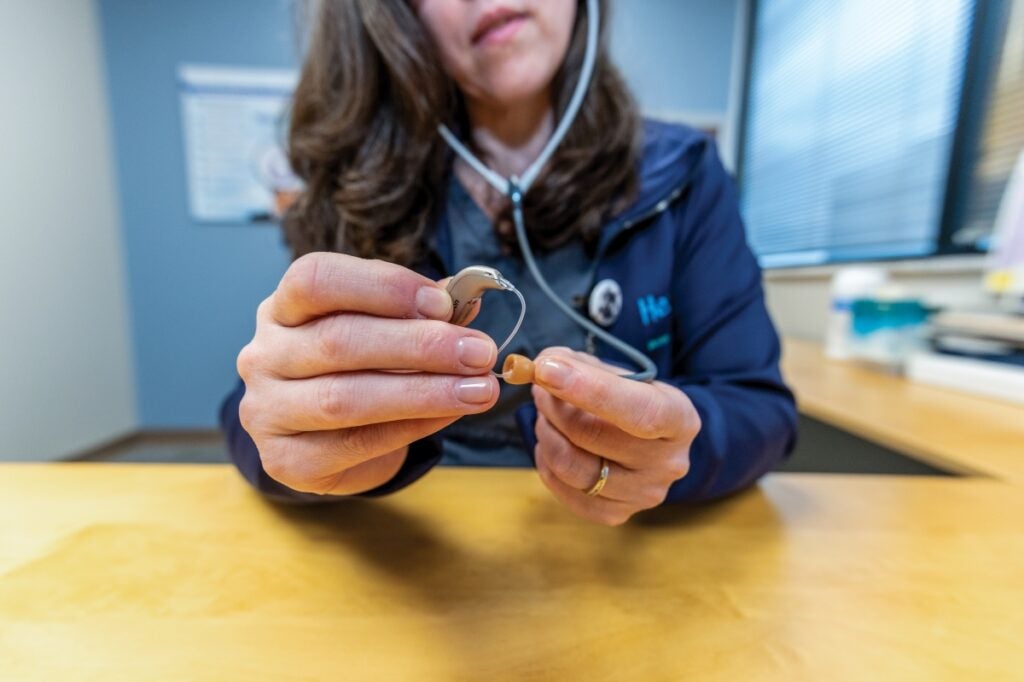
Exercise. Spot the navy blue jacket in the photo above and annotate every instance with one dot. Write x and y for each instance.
(692, 300)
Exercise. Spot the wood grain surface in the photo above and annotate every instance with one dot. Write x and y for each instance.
(180, 572)
(951, 430)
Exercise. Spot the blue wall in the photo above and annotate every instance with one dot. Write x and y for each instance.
(194, 288)
(676, 54)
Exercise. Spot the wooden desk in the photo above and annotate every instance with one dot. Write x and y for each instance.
(180, 572)
(952, 430)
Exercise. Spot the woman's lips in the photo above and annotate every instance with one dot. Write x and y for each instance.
(500, 30)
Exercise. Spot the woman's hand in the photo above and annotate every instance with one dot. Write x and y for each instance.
(586, 412)
(352, 360)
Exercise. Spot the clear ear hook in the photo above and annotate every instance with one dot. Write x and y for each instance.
(466, 289)
(508, 286)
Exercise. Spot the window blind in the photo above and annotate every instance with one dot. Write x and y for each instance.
(850, 115)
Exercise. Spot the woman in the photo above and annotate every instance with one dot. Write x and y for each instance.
(636, 223)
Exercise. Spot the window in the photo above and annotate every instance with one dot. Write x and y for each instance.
(850, 117)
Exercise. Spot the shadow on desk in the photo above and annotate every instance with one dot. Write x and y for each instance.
(825, 449)
(533, 561)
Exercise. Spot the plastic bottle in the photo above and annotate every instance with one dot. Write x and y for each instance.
(848, 284)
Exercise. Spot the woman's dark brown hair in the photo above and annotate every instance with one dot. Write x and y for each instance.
(363, 138)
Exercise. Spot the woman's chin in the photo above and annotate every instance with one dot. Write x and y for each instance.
(515, 87)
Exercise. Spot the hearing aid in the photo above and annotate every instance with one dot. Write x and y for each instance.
(466, 289)
(468, 286)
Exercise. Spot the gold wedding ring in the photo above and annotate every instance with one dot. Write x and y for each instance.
(602, 478)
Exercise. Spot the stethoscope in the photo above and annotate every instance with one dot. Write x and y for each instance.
(468, 285)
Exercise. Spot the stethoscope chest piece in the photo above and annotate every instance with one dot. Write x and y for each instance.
(605, 302)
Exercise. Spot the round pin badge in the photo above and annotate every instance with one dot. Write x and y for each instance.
(605, 302)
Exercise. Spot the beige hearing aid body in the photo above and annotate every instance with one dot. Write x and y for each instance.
(467, 287)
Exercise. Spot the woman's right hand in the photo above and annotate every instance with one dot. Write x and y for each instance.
(352, 360)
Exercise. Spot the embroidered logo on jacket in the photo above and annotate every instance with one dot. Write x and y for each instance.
(653, 308)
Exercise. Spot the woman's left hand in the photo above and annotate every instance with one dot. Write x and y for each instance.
(588, 412)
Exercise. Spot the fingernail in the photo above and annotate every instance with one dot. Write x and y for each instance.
(433, 303)
(474, 352)
(553, 373)
(474, 391)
